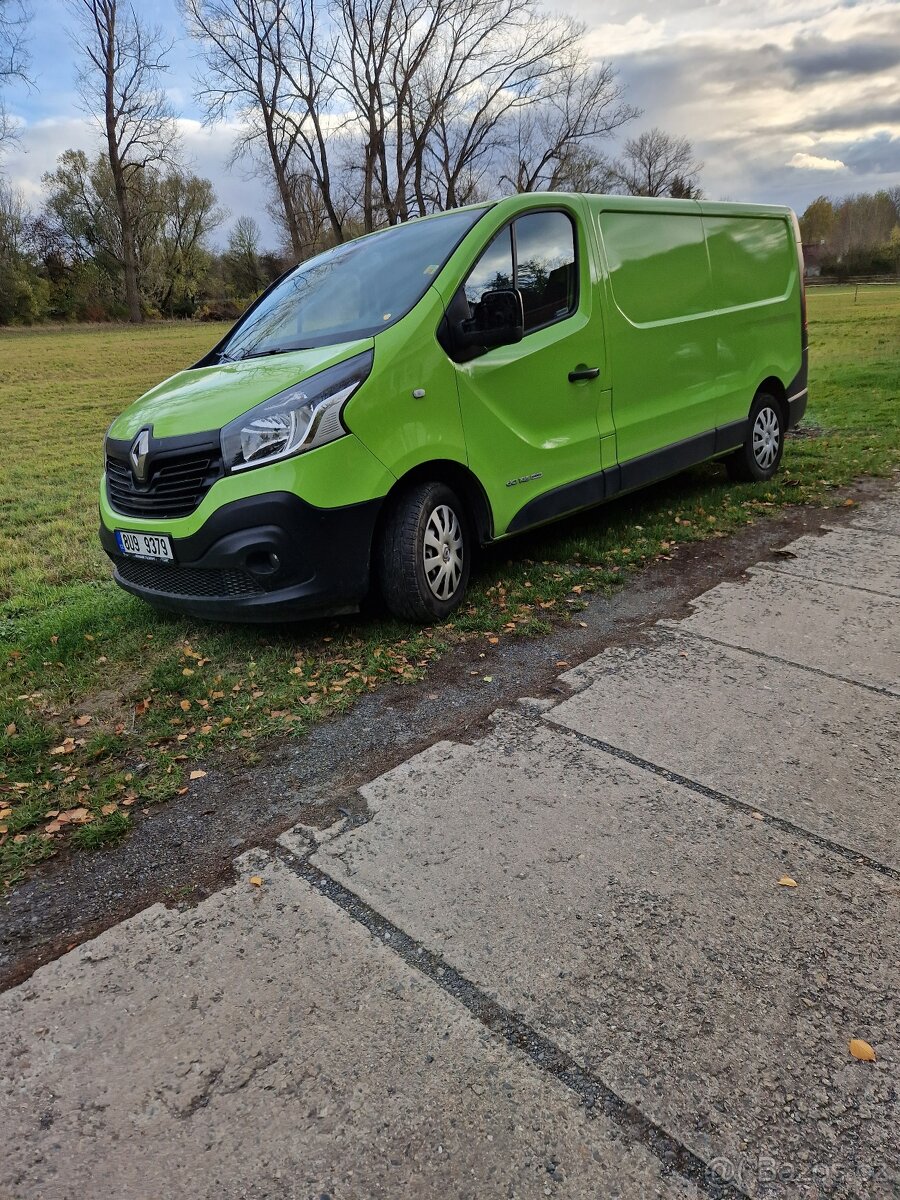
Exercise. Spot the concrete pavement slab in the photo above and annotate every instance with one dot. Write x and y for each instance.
(842, 631)
(860, 558)
(820, 752)
(264, 1045)
(883, 515)
(643, 928)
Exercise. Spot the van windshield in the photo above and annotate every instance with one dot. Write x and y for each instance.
(353, 290)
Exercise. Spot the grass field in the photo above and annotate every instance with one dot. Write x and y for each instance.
(106, 707)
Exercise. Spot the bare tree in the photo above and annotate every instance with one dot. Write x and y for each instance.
(658, 164)
(268, 63)
(14, 18)
(505, 61)
(556, 138)
(373, 111)
(120, 87)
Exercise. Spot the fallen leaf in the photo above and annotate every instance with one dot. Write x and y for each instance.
(198, 774)
(185, 705)
(181, 792)
(786, 881)
(757, 816)
(256, 880)
(187, 671)
(84, 719)
(488, 679)
(53, 827)
(11, 729)
(108, 809)
(861, 1050)
(67, 747)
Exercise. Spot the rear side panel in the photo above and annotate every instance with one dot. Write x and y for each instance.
(661, 322)
(757, 284)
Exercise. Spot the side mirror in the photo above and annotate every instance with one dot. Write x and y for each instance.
(498, 320)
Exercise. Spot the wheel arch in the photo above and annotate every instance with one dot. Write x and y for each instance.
(456, 476)
(772, 386)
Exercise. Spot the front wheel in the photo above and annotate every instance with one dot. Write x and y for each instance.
(424, 555)
(760, 456)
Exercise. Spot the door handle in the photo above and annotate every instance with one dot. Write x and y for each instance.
(583, 373)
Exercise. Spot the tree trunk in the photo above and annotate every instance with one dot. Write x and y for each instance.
(129, 254)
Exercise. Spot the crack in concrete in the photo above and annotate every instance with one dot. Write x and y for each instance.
(857, 857)
(511, 1028)
(787, 662)
(854, 587)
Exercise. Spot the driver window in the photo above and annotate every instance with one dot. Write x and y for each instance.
(494, 270)
(545, 268)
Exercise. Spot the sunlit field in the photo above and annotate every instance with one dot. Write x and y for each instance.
(93, 683)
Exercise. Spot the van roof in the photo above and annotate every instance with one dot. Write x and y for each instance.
(664, 204)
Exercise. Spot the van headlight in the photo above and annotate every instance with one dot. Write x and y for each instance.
(300, 418)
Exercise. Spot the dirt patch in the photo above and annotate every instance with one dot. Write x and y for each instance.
(180, 852)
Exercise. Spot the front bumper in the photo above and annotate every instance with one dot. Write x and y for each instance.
(271, 557)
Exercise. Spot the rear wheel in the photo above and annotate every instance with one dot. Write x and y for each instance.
(760, 455)
(424, 555)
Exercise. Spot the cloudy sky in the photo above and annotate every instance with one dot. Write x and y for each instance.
(783, 99)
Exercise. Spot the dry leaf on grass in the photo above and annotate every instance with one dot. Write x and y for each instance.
(67, 747)
(861, 1050)
(108, 809)
(84, 719)
(11, 729)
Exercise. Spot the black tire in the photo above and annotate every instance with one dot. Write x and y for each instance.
(428, 517)
(760, 456)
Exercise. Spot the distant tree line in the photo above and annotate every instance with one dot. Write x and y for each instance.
(858, 235)
(360, 114)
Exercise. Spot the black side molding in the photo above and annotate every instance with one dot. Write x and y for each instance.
(628, 476)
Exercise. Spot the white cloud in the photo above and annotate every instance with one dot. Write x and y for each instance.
(812, 162)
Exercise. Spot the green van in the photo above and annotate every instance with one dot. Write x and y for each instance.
(393, 402)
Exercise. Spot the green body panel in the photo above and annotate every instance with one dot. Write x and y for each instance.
(403, 430)
(685, 307)
(343, 472)
(205, 398)
(663, 342)
(756, 283)
(703, 304)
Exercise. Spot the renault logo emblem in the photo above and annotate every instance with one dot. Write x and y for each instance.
(140, 449)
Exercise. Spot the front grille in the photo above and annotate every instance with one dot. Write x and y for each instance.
(175, 580)
(176, 485)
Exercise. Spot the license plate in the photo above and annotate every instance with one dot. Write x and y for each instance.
(145, 545)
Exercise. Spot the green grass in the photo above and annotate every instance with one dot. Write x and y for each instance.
(131, 702)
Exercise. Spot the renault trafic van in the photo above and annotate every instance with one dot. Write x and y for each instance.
(400, 398)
